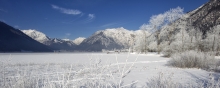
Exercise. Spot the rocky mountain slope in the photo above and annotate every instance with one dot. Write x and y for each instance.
(206, 16)
(13, 40)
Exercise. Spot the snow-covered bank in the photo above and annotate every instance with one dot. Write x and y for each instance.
(145, 67)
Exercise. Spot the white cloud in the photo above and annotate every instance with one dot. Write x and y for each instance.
(67, 11)
(91, 16)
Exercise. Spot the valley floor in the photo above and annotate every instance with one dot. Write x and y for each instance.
(144, 67)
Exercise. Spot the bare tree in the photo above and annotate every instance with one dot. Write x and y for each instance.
(132, 42)
(146, 37)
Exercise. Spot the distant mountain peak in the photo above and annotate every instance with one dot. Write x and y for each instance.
(37, 35)
(79, 40)
(66, 39)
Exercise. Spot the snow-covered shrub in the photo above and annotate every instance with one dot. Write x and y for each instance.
(41, 76)
(193, 59)
(62, 75)
(152, 47)
(217, 66)
(162, 46)
(172, 49)
(212, 82)
(162, 81)
(166, 81)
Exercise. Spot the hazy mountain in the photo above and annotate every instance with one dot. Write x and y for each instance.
(13, 40)
(60, 44)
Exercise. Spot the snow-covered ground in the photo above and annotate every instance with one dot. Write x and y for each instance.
(145, 66)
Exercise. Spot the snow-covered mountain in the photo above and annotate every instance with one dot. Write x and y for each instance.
(57, 44)
(61, 44)
(79, 40)
(36, 35)
(115, 38)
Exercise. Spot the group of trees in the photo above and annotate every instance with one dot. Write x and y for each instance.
(172, 32)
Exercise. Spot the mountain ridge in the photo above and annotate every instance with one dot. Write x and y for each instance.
(55, 43)
(13, 40)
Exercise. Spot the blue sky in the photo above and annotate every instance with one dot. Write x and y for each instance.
(81, 18)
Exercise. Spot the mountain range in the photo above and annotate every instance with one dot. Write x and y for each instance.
(109, 39)
(54, 43)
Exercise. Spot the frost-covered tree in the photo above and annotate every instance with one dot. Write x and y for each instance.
(132, 42)
(213, 39)
(180, 43)
(157, 22)
(141, 40)
(160, 21)
(196, 39)
(174, 17)
(185, 40)
(185, 37)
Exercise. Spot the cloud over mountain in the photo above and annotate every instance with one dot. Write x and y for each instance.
(67, 11)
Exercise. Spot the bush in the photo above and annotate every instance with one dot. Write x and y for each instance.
(193, 59)
(162, 81)
(171, 49)
(167, 81)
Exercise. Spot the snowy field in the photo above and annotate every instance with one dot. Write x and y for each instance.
(79, 69)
